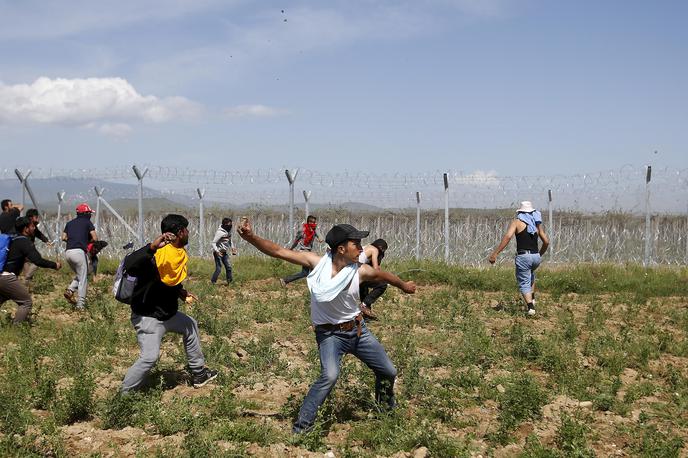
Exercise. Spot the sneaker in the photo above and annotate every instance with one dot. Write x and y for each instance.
(531, 310)
(69, 295)
(367, 313)
(202, 378)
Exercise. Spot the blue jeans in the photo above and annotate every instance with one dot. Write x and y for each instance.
(297, 276)
(525, 271)
(332, 345)
(224, 259)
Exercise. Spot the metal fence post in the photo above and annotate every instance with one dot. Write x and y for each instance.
(139, 176)
(417, 225)
(551, 225)
(26, 189)
(22, 180)
(201, 221)
(99, 192)
(306, 198)
(446, 218)
(60, 199)
(291, 177)
(648, 229)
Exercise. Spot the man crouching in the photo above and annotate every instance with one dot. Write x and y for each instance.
(160, 269)
(339, 327)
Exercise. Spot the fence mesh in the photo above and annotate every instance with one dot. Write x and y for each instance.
(598, 217)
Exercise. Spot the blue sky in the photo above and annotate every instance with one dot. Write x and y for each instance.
(516, 87)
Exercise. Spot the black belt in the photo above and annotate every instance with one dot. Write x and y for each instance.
(527, 252)
(346, 326)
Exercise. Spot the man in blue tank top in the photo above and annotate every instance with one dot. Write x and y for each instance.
(333, 282)
(527, 227)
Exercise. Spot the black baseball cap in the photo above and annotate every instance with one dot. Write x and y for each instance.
(343, 232)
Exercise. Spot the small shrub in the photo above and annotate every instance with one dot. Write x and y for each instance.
(522, 400)
(76, 403)
(571, 438)
(45, 391)
(534, 449)
(120, 410)
(654, 443)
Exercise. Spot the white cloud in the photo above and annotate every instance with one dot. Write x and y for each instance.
(108, 102)
(253, 111)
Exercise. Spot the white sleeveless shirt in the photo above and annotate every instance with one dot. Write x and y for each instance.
(344, 307)
(362, 258)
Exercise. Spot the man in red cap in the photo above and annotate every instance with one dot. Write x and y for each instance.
(78, 233)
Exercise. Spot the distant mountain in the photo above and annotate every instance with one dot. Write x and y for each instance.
(124, 197)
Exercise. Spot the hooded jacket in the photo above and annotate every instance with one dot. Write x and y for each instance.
(222, 242)
(151, 296)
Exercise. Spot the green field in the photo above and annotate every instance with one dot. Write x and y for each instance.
(601, 370)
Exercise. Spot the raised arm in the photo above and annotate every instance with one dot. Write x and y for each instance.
(301, 258)
(544, 238)
(505, 241)
(367, 273)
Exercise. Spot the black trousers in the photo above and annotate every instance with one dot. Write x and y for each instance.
(371, 291)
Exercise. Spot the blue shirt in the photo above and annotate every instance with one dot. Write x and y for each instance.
(78, 232)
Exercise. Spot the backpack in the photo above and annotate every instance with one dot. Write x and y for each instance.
(5, 240)
(124, 284)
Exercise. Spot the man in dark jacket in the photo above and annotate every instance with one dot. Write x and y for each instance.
(160, 268)
(10, 212)
(78, 233)
(21, 248)
(29, 267)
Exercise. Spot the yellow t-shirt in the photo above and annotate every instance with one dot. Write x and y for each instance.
(172, 264)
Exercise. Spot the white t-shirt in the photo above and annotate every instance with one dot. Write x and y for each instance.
(344, 307)
(362, 258)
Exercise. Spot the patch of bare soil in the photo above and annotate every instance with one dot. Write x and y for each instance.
(269, 396)
(85, 439)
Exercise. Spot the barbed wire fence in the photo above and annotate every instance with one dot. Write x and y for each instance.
(597, 216)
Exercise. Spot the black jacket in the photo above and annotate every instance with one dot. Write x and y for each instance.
(21, 248)
(40, 236)
(151, 296)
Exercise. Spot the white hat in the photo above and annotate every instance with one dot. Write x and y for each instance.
(526, 207)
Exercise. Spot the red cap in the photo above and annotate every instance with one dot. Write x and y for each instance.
(83, 208)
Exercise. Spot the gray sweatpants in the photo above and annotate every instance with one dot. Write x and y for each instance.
(149, 333)
(76, 258)
(11, 288)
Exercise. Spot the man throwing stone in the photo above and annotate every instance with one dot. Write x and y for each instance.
(339, 327)
(160, 268)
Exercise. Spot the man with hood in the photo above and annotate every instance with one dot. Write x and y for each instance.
(222, 245)
(160, 268)
(339, 326)
(78, 233)
(527, 227)
(303, 242)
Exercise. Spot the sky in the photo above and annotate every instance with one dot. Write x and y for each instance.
(510, 87)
